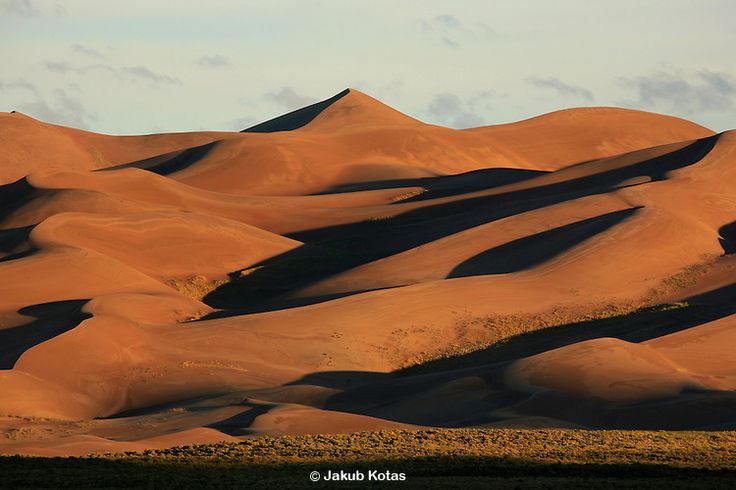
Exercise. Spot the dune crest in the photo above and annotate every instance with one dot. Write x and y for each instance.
(347, 267)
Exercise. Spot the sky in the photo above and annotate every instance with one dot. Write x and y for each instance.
(140, 66)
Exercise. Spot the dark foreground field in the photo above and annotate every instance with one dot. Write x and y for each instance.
(464, 458)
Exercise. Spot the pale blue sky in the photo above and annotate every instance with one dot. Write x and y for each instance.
(145, 66)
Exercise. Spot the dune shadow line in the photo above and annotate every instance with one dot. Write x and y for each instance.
(296, 119)
(52, 319)
(168, 163)
(443, 185)
(532, 250)
(727, 238)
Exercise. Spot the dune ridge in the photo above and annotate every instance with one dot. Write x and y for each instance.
(347, 267)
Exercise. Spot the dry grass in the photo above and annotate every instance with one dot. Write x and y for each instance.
(381, 218)
(713, 450)
(408, 195)
(462, 458)
(196, 316)
(685, 278)
(475, 334)
(212, 365)
(196, 287)
(100, 161)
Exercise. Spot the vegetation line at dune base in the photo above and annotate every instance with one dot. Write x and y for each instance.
(496, 332)
(435, 458)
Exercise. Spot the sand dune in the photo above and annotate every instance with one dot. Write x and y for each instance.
(27, 144)
(346, 267)
(338, 148)
(164, 244)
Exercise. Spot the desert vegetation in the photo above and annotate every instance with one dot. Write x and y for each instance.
(467, 458)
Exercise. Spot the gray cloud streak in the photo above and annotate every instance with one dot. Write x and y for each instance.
(288, 98)
(19, 85)
(449, 30)
(133, 73)
(29, 8)
(453, 111)
(60, 66)
(24, 8)
(87, 51)
(213, 61)
(60, 108)
(447, 21)
(703, 91)
(562, 88)
(144, 73)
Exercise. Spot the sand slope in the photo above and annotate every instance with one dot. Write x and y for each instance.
(347, 267)
(357, 140)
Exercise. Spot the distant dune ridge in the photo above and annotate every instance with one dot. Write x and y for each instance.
(346, 267)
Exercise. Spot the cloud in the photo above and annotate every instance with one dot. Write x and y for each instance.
(144, 73)
(444, 26)
(445, 104)
(562, 88)
(467, 120)
(65, 67)
(28, 8)
(132, 73)
(702, 91)
(481, 98)
(450, 42)
(449, 109)
(449, 30)
(447, 21)
(484, 28)
(18, 85)
(215, 61)
(24, 8)
(60, 109)
(98, 67)
(84, 50)
(289, 99)
(60, 66)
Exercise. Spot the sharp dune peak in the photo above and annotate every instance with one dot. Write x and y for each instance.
(351, 107)
(345, 109)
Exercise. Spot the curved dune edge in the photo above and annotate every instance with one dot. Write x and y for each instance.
(364, 271)
(296, 119)
(358, 139)
(84, 444)
(697, 360)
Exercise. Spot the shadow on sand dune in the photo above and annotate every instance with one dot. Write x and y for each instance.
(237, 425)
(14, 195)
(394, 396)
(332, 250)
(532, 250)
(52, 319)
(14, 243)
(296, 119)
(728, 237)
(638, 326)
(168, 163)
(446, 185)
